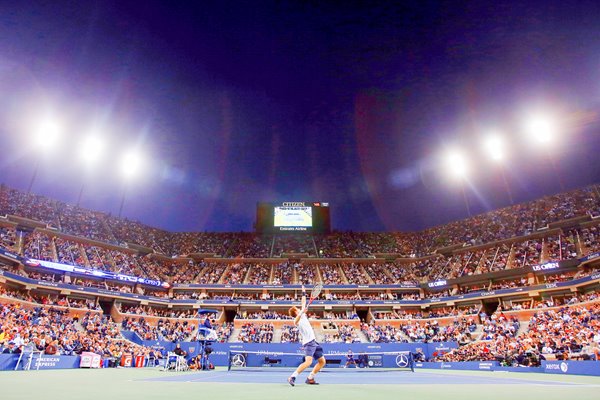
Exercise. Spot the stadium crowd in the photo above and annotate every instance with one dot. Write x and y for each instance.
(514, 221)
(383, 333)
(568, 332)
(53, 332)
(263, 315)
(257, 333)
(171, 331)
(344, 334)
(561, 327)
(157, 312)
(290, 334)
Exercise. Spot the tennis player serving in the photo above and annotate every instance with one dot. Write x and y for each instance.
(312, 349)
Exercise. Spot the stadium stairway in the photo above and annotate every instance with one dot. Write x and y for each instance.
(404, 337)
(108, 229)
(477, 333)
(277, 335)
(319, 334)
(78, 326)
(523, 327)
(361, 335)
(235, 335)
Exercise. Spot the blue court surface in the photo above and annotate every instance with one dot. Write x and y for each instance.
(369, 377)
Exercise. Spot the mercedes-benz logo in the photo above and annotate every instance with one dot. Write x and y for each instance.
(402, 360)
(238, 360)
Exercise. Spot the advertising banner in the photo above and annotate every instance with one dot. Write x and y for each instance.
(571, 367)
(90, 360)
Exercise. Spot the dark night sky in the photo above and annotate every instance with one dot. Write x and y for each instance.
(239, 102)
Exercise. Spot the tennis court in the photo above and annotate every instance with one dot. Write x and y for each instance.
(270, 384)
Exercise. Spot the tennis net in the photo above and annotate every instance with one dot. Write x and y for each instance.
(242, 359)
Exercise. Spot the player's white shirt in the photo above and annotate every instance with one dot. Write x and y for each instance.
(306, 331)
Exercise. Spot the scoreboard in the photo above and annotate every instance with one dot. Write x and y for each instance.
(293, 216)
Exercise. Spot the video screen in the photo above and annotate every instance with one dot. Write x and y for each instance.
(292, 217)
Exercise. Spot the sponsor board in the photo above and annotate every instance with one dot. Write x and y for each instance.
(546, 266)
(590, 257)
(556, 366)
(571, 367)
(437, 283)
(10, 255)
(46, 362)
(486, 365)
(401, 360)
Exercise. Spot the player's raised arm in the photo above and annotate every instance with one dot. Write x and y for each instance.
(303, 301)
(302, 305)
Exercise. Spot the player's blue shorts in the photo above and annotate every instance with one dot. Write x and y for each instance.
(313, 349)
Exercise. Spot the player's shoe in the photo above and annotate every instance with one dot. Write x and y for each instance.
(311, 381)
(292, 381)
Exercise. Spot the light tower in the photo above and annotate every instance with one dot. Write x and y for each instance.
(45, 138)
(495, 148)
(130, 166)
(458, 168)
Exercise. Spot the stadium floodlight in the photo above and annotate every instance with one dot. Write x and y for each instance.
(131, 164)
(457, 163)
(494, 147)
(458, 166)
(47, 134)
(91, 149)
(541, 128)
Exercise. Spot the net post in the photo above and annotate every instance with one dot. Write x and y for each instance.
(229, 360)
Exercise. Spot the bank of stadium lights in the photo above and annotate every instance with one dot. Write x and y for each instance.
(131, 164)
(46, 136)
(91, 149)
(457, 164)
(493, 145)
(541, 128)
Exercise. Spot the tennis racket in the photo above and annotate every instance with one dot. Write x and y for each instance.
(314, 293)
